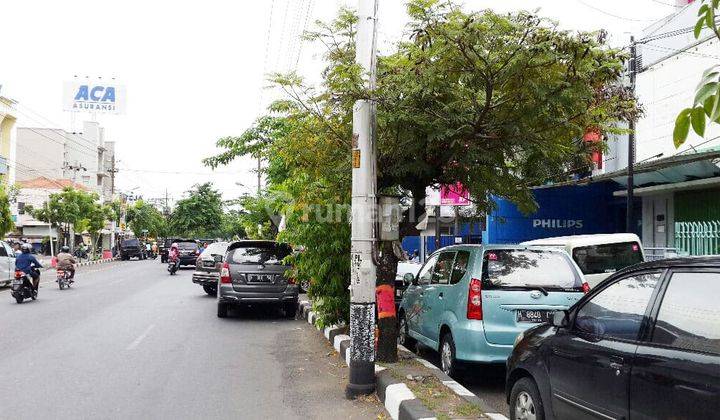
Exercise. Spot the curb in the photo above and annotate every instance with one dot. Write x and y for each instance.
(100, 261)
(398, 399)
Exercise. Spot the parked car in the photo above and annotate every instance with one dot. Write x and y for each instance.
(164, 248)
(404, 267)
(469, 302)
(600, 255)
(132, 248)
(253, 272)
(208, 266)
(7, 264)
(189, 251)
(644, 344)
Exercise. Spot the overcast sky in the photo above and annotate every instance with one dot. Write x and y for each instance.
(194, 70)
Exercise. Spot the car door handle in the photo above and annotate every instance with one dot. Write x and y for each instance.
(616, 362)
(440, 295)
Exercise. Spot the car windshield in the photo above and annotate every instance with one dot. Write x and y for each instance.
(216, 248)
(131, 242)
(187, 246)
(517, 268)
(607, 258)
(271, 253)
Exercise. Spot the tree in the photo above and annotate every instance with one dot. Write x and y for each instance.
(67, 208)
(471, 97)
(200, 214)
(706, 105)
(142, 216)
(6, 222)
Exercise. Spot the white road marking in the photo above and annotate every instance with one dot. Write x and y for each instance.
(140, 338)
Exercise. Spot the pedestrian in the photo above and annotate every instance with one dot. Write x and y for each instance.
(416, 256)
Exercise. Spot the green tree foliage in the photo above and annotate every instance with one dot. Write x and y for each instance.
(706, 105)
(142, 216)
(198, 215)
(6, 222)
(471, 97)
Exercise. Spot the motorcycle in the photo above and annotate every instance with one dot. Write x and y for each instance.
(64, 279)
(22, 287)
(173, 267)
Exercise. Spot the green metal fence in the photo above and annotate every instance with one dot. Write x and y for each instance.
(698, 238)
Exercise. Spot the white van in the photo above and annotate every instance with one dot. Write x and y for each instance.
(600, 255)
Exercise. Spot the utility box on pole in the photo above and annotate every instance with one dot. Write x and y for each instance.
(364, 208)
(389, 218)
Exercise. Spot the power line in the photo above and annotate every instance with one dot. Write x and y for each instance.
(614, 15)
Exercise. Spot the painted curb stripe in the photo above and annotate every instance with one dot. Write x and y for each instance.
(339, 339)
(394, 395)
(310, 317)
(496, 416)
(458, 389)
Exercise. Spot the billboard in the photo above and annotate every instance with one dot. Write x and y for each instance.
(94, 96)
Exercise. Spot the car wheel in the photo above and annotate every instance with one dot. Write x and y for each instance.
(290, 309)
(448, 363)
(304, 286)
(210, 290)
(525, 402)
(404, 338)
(222, 310)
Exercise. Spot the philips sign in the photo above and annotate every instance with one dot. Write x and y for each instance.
(94, 96)
(557, 224)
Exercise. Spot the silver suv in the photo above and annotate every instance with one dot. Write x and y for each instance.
(254, 272)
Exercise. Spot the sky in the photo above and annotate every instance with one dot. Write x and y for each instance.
(195, 71)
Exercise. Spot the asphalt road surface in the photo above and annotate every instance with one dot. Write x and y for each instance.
(130, 341)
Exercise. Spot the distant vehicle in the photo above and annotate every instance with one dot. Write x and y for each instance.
(63, 278)
(132, 248)
(404, 267)
(208, 266)
(469, 302)
(253, 272)
(189, 250)
(598, 256)
(7, 264)
(645, 343)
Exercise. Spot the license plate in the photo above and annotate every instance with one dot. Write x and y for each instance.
(260, 278)
(209, 263)
(17, 282)
(540, 316)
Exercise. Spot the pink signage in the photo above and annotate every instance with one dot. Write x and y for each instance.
(454, 195)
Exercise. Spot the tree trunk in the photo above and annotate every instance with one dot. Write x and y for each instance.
(387, 316)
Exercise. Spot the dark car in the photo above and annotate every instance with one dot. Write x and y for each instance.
(643, 344)
(164, 248)
(254, 272)
(132, 248)
(208, 266)
(189, 251)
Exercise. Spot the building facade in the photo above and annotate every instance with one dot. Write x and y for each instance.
(7, 140)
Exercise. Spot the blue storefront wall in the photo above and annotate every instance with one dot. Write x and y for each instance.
(470, 233)
(566, 210)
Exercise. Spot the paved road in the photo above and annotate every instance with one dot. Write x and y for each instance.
(130, 341)
(487, 382)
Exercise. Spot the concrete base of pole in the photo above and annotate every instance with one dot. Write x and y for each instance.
(362, 379)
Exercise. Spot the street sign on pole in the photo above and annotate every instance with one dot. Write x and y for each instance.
(362, 267)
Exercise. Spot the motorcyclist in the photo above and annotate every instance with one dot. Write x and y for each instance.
(28, 264)
(174, 253)
(65, 261)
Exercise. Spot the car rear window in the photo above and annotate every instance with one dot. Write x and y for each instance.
(519, 268)
(131, 242)
(217, 248)
(607, 258)
(187, 245)
(271, 253)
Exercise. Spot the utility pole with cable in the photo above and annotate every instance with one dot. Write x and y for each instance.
(629, 221)
(364, 212)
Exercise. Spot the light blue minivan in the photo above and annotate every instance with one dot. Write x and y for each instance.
(470, 302)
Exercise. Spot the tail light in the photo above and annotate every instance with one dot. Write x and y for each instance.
(474, 305)
(586, 288)
(197, 252)
(18, 274)
(225, 273)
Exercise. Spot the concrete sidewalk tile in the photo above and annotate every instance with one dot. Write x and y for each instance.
(339, 339)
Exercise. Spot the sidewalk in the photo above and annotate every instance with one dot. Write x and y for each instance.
(46, 262)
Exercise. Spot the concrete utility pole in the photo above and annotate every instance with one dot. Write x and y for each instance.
(364, 213)
(629, 222)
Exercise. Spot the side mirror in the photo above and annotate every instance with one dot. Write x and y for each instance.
(560, 319)
(408, 279)
(218, 258)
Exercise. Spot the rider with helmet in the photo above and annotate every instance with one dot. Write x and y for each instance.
(28, 264)
(174, 253)
(65, 261)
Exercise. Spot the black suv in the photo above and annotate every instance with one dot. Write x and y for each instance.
(131, 248)
(645, 343)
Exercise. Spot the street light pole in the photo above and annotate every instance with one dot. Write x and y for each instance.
(364, 209)
(629, 222)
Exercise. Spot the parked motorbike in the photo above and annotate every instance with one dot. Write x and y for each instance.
(22, 287)
(64, 279)
(173, 267)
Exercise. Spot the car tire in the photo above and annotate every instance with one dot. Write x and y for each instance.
(290, 309)
(210, 290)
(448, 362)
(222, 310)
(525, 401)
(404, 338)
(304, 286)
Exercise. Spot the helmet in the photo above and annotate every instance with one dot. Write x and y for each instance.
(174, 245)
(26, 248)
(65, 248)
